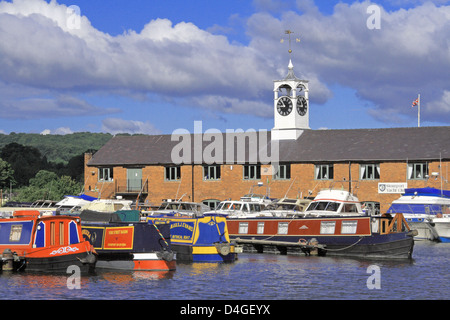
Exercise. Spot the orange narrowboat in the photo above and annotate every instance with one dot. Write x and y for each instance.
(43, 242)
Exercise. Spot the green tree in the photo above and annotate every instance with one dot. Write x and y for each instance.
(25, 161)
(6, 174)
(46, 185)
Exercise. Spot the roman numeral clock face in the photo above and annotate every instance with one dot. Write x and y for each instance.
(302, 106)
(284, 106)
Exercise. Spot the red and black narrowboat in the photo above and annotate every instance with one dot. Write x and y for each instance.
(122, 242)
(43, 242)
(335, 221)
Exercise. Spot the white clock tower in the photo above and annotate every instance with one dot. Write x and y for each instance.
(291, 107)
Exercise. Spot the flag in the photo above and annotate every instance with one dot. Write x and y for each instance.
(415, 103)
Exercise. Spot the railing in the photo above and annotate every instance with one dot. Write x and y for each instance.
(134, 186)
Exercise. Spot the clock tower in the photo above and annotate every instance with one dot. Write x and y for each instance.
(291, 107)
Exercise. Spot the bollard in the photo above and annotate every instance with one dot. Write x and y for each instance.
(8, 260)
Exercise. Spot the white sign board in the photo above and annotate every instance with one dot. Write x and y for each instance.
(392, 187)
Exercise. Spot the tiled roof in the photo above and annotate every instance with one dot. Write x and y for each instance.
(391, 144)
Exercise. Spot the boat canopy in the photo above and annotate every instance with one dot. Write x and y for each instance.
(427, 192)
(418, 208)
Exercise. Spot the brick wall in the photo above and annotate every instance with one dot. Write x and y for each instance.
(233, 186)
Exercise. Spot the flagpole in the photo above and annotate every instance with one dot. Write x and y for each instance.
(418, 112)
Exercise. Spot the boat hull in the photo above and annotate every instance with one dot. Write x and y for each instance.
(337, 236)
(59, 264)
(131, 245)
(442, 226)
(425, 230)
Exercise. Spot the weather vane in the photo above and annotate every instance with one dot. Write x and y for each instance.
(289, 32)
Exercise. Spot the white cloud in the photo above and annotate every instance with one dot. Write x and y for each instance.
(387, 67)
(117, 125)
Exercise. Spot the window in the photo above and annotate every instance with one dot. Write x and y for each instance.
(349, 207)
(252, 172)
(349, 227)
(173, 173)
(283, 172)
(327, 227)
(211, 172)
(16, 232)
(211, 203)
(105, 174)
(417, 171)
(283, 227)
(61, 233)
(369, 171)
(243, 227)
(324, 172)
(260, 229)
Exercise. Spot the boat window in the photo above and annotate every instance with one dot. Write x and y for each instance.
(255, 207)
(327, 227)
(283, 227)
(243, 227)
(61, 233)
(312, 206)
(332, 206)
(52, 233)
(245, 207)
(349, 207)
(16, 232)
(349, 227)
(260, 229)
(321, 205)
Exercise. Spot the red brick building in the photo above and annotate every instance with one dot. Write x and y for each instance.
(362, 160)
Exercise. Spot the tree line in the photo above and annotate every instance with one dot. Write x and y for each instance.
(31, 176)
(45, 167)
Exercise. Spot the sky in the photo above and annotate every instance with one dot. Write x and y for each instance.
(152, 67)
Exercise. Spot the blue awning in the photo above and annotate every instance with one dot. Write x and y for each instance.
(415, 208)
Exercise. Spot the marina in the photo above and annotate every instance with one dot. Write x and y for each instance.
(359, 213)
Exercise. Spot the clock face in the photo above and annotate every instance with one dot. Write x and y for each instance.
(284, 106)
(302, 106)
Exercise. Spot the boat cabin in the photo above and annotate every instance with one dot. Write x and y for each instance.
(287, 207)
(334, 202)
(238, 208)
(181, 207)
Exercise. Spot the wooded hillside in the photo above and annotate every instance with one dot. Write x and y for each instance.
(58, 148)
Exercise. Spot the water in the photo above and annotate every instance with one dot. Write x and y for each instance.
(255, 277)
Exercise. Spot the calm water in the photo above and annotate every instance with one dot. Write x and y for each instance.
(254, 277)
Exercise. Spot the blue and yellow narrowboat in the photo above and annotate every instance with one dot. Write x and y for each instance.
(198, 238)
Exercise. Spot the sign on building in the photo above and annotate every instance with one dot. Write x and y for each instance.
(392, 187)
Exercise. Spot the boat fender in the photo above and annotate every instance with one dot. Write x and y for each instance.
(412, 233)
(89, 259)
(223, 248)
(165, 255)
(7, 259)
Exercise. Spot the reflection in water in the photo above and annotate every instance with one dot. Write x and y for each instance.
(252, 276)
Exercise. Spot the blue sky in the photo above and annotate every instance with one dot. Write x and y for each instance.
(145, 66)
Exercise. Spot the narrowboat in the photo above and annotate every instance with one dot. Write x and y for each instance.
(427, 210)
(335, 220)
(196, 237)
(123, 242)
(31, 241)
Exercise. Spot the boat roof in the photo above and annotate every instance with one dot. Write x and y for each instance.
(335, 195)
